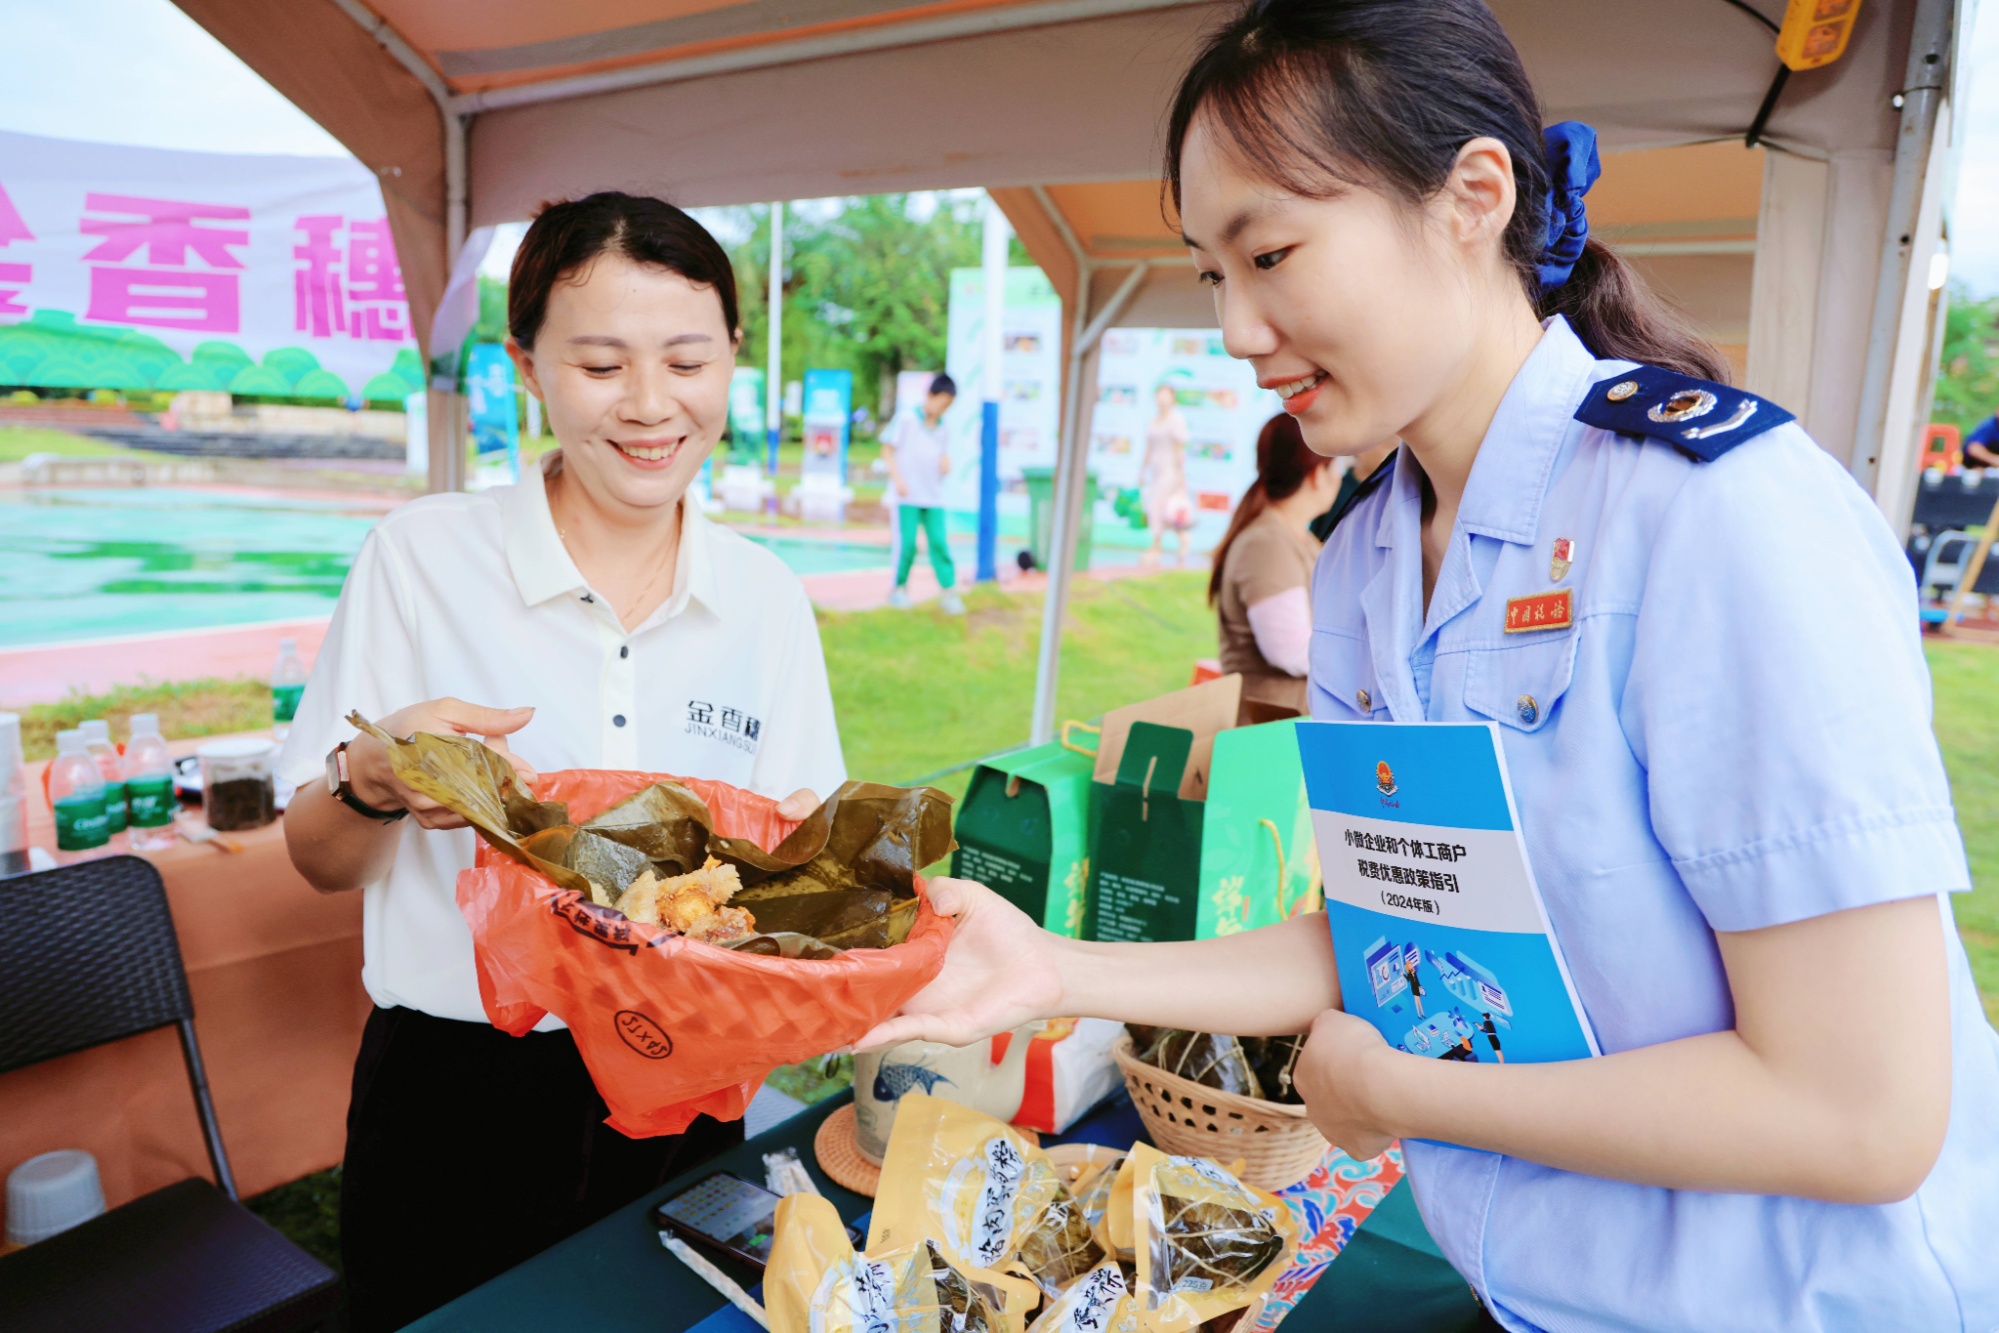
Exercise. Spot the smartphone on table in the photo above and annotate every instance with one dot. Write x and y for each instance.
(727, 1213)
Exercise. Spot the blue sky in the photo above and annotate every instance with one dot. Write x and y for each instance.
(141, 72)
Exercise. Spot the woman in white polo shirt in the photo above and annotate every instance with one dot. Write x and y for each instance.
(585, 618)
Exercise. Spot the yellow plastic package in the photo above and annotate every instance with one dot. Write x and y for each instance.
(1203, 1242)
(1099, 1302)
(816, 1283)
(963, 1179)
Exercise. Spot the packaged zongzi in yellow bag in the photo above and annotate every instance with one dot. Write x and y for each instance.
(961, 1178)
(1205, 1243)
(816, 1283)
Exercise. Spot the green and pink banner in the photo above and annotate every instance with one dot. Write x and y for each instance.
(146, 268)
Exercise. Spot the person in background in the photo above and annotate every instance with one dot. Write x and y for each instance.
(1162, 477)
(915, 448)
(1359, 468)
(594, 620)
(1981, 445)
(1261, 585)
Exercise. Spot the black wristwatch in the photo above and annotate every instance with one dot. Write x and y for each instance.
(338, 783)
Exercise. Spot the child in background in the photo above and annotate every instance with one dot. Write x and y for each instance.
(918, 460)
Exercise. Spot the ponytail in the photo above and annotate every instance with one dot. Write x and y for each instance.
(1618, 317)
(1319, 96)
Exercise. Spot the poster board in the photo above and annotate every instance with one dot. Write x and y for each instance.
(152, 269)
(1217, 395)
(1030, 380)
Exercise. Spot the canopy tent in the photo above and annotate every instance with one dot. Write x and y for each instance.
(1808, 259)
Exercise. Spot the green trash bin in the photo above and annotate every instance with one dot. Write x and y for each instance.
(1041, 514)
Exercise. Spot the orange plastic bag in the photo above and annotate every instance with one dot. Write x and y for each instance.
(670, 1028)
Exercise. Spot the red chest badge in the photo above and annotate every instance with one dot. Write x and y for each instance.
(1544, 610)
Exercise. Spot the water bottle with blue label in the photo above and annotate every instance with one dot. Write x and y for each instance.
(287, 687)
(76, 791)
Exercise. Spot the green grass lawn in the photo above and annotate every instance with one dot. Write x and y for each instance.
(17, 442)
(1966, 677)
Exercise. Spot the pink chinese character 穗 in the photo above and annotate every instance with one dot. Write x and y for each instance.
(357, 291)
(170, 292)
(380, 312)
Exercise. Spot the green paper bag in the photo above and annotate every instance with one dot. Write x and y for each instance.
(1168, 867)
(1023, 831)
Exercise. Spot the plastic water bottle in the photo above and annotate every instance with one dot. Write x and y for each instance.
(76, 790)
(13, 798)
(97, 739)
(149, 785)
(287, 686)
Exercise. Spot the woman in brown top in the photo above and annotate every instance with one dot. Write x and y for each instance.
(1261, 587)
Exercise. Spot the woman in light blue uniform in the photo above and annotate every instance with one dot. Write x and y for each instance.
(1700, 643)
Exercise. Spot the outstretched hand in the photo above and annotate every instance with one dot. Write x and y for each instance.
(999, 972)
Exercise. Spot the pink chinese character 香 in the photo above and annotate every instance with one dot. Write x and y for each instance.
(170, 293)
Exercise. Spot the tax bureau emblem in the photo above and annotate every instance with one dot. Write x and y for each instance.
(1384, 779)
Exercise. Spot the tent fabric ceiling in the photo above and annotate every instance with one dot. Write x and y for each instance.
(1060, 104)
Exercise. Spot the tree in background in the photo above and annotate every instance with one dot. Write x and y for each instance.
(867, 285)
(867, 288)
(1968, 378)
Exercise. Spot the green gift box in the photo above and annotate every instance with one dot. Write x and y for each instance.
(1023, 831)
(1203, 828)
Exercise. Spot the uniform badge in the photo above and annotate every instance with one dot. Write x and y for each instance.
(1559, 562)
(1543, 610)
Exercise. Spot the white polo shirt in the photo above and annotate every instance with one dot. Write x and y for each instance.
(919, 446)
(475, 597)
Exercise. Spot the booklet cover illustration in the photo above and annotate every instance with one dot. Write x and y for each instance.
(1442, 937)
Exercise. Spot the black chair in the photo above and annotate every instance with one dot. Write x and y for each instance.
(88, 955)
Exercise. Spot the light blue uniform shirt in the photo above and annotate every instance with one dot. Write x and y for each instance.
(1734, 733)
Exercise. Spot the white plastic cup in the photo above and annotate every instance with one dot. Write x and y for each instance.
(51, 1193)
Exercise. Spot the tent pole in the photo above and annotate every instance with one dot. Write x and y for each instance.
(1069, 517)
(774, 377)
(1927, 76)
(447, 406)
(993, 261)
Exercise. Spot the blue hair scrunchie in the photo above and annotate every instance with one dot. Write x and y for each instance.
(1572, 168)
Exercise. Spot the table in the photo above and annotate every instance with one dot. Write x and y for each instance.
(275, 970)
(615, 1275)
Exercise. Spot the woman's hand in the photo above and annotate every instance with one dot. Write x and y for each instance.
(798, 805)
(1333, 1077)
(999, 972)
(375, 782)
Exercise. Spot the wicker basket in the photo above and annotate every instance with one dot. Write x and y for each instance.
(1277, 1144)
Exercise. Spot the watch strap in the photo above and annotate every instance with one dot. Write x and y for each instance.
(344, 789)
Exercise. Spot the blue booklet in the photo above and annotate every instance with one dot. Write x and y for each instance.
(1441, 935)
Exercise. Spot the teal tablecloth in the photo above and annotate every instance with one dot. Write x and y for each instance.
(616, 1276)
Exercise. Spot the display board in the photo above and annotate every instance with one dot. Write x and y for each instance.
(1030, 379)
(828, 413)
(492, 408)
(1217, 395)
(746, 413)
(146, 268)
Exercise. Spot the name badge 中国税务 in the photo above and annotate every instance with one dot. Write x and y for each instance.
(1542, 610)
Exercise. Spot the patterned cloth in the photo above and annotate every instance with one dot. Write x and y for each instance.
(1329, 1206)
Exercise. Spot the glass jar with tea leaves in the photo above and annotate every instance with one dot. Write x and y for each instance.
(238, 783)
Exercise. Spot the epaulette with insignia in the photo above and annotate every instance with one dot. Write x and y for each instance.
(1699, 418)
(1323, 525)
